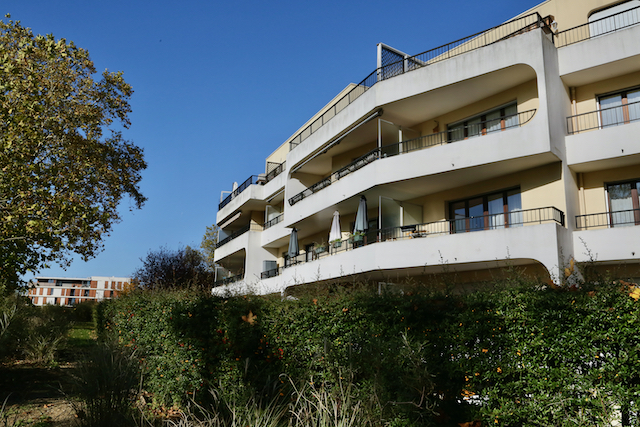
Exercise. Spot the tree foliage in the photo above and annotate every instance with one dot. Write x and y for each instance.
(174, 269)
(208, 245)
(65, 166)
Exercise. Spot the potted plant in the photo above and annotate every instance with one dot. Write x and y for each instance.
(336, 243)
(319, 248)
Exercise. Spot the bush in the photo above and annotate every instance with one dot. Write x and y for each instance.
(506, 355)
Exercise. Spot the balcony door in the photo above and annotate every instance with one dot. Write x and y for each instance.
(619, 108)
(624, 206)
(488, 212)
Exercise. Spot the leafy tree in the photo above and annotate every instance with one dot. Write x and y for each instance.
(64, 165)
(208, 245)
(169, 269)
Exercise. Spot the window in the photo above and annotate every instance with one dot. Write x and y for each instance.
(308, 252)
(614, 18)
(495, 210)
(86, 293)
(624, 206)
(619, 108)
(72, 292)
(494, 120)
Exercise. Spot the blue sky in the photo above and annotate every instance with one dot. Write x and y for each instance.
(219, 85)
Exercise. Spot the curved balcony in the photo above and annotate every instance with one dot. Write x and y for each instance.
(420, 143)
(395, 64)
(501, 221)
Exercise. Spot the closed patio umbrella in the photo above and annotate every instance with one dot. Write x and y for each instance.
(294, 250)
(362, 220)
(335, 233)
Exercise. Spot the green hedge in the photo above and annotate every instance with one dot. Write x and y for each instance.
(508, 356)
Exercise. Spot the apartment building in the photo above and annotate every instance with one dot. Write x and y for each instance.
(516, 146)
(69, 291)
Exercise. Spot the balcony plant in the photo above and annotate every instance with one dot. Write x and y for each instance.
(319, 248)
(336, 243)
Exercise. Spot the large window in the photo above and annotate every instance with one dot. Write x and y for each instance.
(620, 108)
(494, 120)
(614, 18)
(624, 206)
(491, 211)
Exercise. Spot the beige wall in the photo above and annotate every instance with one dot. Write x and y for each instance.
(343, 159)
(540, 187)
(526, 95)
(586, 96)
(571, 13)
(595, 197)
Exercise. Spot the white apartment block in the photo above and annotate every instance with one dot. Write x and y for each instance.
(69, 291)
(519, 145)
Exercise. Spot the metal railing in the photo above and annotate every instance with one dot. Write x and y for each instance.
(603, 118)
(227, 280)
(273, 221)
(273, 170)
(450, 226)
(239, 232)
(253, 179)
(608, 219)
(467, 44)
(598, 27)
(420, 143)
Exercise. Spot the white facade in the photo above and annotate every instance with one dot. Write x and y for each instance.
(519, 146)
(68, 291)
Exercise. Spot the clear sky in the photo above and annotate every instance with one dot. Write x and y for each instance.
(220, 85)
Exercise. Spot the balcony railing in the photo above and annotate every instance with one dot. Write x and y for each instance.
(241, 231)
(227, 280)
(603, 118)
(598, 27)
(273, 170)
(253, 179)
(273, 221)
(476, 41)
(608, 219)
(512, 219)
(420, 143)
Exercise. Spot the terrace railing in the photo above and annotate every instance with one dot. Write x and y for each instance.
(273, 221)
(599, 27)
(451, 226)
(273, 170)
(467, 44)
(420, 143)
(603, 118)
(253, 179)
(235, 234)
(608, 219)
(227, 280)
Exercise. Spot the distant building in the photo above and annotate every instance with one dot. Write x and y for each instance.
(73, 290)
(518, 145)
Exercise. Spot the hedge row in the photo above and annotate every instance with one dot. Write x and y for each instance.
(509, 356)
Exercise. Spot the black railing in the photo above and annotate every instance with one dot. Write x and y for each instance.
(273, 221)
(227, 280)
(253, 179)
(271, 273)
(420, 143)
(608, 219)
(603, 118)
(450, 226)
(476, 41)
(273, 170)
(598, 27)
(239, 232)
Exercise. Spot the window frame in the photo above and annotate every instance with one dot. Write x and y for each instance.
(624, 104)
(485, 208)
(635, 200)
(483, 122)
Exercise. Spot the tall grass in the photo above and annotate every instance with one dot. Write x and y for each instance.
(107, 382)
